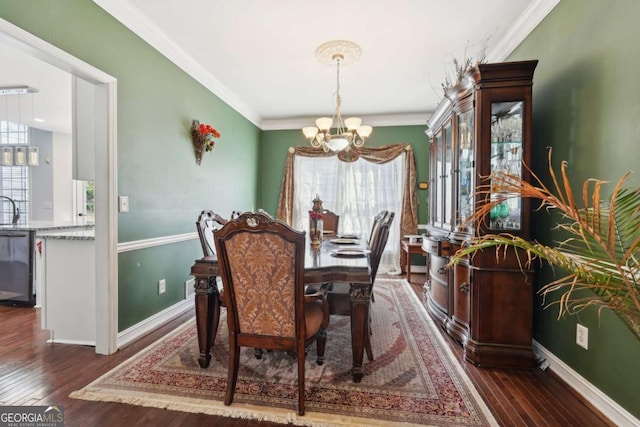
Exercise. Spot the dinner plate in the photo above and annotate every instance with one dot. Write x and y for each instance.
(344, 241)
(349, 236)
(350, 252)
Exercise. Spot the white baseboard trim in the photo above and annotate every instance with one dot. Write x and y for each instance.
(422, 269)
(140, 329)
(591, 393)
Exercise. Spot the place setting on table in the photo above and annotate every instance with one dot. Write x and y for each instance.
(347, 245)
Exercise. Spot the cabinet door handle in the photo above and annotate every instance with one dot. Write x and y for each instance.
(464, 288)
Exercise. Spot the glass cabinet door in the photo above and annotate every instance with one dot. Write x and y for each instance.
(506, 157)
(448, 180)
(439, 187)
(466, 181)
(434, 185)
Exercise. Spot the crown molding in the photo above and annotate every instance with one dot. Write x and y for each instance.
(525, 24)
(372, 120)
(131, 18)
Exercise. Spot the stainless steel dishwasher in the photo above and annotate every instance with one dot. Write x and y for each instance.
(16, 267)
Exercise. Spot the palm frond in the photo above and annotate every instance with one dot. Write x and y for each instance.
(601, 251)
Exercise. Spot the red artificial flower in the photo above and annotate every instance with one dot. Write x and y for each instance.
(314, 215)
(209, 130)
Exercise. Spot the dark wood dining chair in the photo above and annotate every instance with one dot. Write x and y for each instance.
(330, 222)
(339, 298)
(206, 224)
(208, 221)
(262, 266)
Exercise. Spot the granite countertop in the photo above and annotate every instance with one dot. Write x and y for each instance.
(74, 234)
(81, 224)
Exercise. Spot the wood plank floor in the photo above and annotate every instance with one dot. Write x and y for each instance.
(33, 372)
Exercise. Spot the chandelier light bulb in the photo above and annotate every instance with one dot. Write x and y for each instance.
(324, 123)
(364, 131)
(310, 132)
(353, 123)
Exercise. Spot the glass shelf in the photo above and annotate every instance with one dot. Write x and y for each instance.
(506, 158)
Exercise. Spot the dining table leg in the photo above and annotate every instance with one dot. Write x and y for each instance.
(360, 295)
(207, 302)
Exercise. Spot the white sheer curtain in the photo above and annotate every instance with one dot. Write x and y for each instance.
(356, 191)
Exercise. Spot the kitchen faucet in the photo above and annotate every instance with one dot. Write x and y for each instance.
(16, 210)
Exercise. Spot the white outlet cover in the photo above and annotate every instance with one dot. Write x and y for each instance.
(582, 336)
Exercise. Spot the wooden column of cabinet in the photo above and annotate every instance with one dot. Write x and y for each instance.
(485, 302)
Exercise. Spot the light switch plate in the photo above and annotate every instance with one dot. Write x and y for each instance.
(123, 202)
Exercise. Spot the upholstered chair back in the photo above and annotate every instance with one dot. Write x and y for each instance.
(262, 267)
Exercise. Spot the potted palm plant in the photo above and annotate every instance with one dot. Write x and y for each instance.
(601, 252)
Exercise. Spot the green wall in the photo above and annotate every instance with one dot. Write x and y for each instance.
(585, 106)
(156, 164)
(275, 145)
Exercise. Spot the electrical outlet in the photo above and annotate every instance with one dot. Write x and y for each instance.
(162, 286)
(582, 336)
(188, 288)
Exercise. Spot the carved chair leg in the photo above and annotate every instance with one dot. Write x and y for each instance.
(367, 337)
(367, 347)
(321, 342)
(300, 383)
(232, 374)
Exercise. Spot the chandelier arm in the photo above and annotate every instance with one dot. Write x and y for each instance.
(315, 143)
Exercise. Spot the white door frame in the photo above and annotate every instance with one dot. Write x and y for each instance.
(105, 179)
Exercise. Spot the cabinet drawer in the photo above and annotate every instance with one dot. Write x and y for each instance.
(461, 294)
(440, 283)
(438, 270)
(439, 247)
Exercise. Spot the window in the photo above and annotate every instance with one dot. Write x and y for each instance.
(14, 180)
(84, 199)
(356, 191)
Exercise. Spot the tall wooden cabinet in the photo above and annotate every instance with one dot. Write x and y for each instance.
(482, 125)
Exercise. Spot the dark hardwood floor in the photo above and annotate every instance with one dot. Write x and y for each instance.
(33, 372)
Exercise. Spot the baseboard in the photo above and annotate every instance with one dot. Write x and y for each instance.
(422, 269)
(588, 391)
(140, 329)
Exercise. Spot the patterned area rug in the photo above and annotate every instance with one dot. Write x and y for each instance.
(414, 379)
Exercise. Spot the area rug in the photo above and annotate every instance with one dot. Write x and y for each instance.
(414, 378)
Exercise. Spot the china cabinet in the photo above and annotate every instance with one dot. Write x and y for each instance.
(481, 126)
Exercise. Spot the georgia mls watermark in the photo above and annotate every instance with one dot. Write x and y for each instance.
(31, 416)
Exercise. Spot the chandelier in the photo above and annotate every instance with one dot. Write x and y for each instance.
(349, 132)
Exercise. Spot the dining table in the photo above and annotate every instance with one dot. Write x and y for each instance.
(331, 261)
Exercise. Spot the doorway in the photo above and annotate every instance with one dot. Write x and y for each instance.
(104, 131)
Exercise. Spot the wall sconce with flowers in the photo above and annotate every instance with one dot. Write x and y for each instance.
(203, 138)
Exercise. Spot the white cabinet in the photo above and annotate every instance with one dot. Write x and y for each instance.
(39, 252)
(84, 129)
(69, 292)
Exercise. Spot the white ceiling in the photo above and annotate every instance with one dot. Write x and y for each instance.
(52, 102)
(258, 55)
